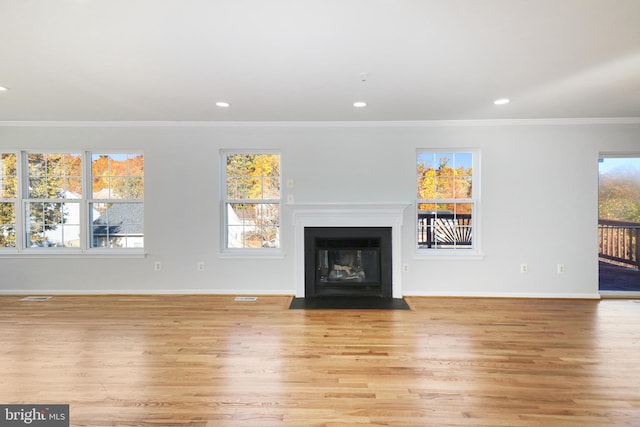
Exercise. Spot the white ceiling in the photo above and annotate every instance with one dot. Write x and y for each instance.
(302, 60)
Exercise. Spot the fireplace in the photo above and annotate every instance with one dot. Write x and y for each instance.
(348, 261)
(350, 216)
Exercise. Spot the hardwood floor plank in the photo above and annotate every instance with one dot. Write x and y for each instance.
(210, 361)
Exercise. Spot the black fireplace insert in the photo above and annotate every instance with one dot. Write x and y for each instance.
(348, 261)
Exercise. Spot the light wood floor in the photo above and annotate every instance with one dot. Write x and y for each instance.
(209, 361)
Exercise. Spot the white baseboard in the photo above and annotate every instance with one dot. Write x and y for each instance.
(620, 294)
(503, 295)
(286, 292)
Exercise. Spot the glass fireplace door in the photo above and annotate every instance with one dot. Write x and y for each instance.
(348, 261)
(348, 266)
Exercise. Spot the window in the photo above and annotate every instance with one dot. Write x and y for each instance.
(52, 200)
(71, 202)
(251, 200)
(8, 194)
(447, 200)
(116, 208)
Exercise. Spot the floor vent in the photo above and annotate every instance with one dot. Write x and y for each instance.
(245, 298)
(36, 298)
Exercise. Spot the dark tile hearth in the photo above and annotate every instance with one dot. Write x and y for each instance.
(342, 302)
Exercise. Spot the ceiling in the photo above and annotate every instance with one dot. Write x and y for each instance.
(310, 60)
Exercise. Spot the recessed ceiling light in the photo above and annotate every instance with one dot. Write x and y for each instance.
(359, 104)
(3, 89)
(502, 101)
(222, 104)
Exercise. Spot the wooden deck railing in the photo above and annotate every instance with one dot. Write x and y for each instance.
(444, 230)
(619, 241)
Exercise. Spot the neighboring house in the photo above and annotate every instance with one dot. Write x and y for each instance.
(119, 226)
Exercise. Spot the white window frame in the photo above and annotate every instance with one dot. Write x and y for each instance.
(474, 252)
(90, 200)
(22, 199)
(25, 200)
(262, 252)
(15, 201)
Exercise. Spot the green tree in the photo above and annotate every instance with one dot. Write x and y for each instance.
(51, 176)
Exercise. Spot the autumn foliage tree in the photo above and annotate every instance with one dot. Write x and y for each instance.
(253, 180)
(440, 181)
(253, 176)
(123, 177)
(619, 195)
(8, 191)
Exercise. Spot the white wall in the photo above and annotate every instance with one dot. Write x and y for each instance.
(539, 202)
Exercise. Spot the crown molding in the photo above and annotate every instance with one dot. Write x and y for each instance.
(333, 124)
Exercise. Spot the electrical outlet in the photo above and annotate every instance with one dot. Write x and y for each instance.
(290, 199)
(405, 267)
(200, 266)
(524, 268)
(561, 269)
(290, 183)
(157, 266)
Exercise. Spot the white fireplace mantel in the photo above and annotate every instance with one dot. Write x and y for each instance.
(350, 215)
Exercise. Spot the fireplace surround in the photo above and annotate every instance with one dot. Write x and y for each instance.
(353, 215)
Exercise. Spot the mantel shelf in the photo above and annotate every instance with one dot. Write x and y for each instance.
(347, 206)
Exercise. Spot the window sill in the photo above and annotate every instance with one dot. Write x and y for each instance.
(94, 253)
(443, 254)
(251, 254)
